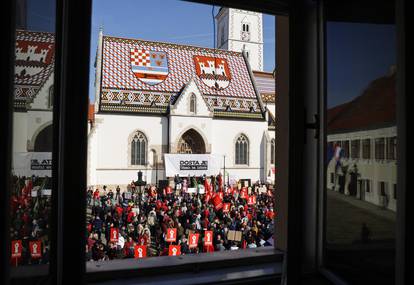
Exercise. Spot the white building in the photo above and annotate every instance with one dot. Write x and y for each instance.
(365, 130)
(33, 104)
(154, 98)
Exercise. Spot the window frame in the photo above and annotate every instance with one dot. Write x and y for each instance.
(246, 151)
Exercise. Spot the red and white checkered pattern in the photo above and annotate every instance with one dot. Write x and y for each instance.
(140, 57)
(117, 73)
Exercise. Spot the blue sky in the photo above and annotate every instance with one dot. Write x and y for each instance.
(356, 53)
(165, 20)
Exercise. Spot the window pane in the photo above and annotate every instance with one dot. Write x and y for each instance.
(32, 133)
(183, 95)
(360, 204)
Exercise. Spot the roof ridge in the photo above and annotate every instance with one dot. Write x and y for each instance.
(175, 44)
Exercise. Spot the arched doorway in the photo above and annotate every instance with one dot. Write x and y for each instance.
(191, 142)
(44, 140)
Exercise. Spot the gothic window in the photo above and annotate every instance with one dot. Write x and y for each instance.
(193, 104)
(139, 149)
(272, 152)
(242, 150)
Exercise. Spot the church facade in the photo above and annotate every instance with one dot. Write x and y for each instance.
(154, 98)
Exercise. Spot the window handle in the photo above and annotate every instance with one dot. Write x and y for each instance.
(313, 126)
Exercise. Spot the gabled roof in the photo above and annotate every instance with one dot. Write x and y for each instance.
(34, 64)
(374, 108)
(266, 85)
(129, 83)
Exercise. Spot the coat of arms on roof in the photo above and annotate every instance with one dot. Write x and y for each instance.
(32, 57)
(214, 72)
(151, 67)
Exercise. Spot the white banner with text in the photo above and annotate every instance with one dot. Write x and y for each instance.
(192, 164)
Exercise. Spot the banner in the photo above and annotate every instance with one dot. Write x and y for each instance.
(32, 163)
(192, 164)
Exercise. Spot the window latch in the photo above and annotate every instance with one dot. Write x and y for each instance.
(313, 126)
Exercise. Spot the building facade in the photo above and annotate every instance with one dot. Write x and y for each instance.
(365, 132)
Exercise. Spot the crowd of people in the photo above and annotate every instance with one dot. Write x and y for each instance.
(30, 207)
(142, 218)
(146, 221)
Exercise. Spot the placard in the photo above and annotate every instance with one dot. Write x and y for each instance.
(140, 251)
(174, 250)
(208, 238)
(251, 200)
(192, 190)
(193, 240)
(234, 235)
(226, 207)
(171, 235)
(16, 248)
(46, 192)
(127, 195)
(35, 249)
(114, 232)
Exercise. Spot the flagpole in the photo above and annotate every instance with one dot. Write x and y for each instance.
(224, 175)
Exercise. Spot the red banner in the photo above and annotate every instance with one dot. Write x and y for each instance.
(16, 248)
(174, 250)
(208, 238)
(140, 251)
(114, 234)
(35, 249)
(193, 240)
(171, 235)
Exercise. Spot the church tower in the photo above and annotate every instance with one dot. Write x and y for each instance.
(239, 30)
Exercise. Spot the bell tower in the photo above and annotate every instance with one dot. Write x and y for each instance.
(240, 30)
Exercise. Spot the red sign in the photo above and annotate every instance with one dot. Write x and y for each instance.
(35, 249)
(168, 190)
(226, 207)
(208, 238)
(251, 200)
(171, 235)
(140, 251)
(174, 250)
(193, 240)
(217, 202)
(16, 248)
(243, 194)
(114, 234)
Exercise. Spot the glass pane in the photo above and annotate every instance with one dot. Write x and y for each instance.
(360, 204)
(157, 70)
(32, 133)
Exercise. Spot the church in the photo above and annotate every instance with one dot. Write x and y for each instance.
(158, 99)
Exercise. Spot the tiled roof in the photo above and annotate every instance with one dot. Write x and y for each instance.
(34, 64)
(266, 85)
(125, 89)
(374, 108)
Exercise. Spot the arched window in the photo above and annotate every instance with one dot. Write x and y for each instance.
(272, 152)
(242, 150)
(193, 103)
(139, 149)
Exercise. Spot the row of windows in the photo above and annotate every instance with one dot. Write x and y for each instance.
(385, 148)
(365, 185)
(139, 150)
